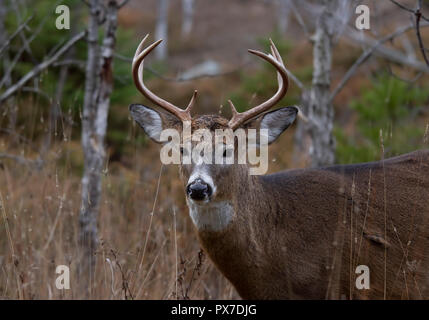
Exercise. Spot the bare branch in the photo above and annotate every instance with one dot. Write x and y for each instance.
(70, 62)
(180, 78)
(300, 19)
(40, 67)
(366, 54)
(419, 36)
(410, 10)
(38, 92)
(38, 163)
(418, 16)
(21, 51)
(402, 6)
(295, 80)
(25, 43)
(21, 138)
(409, 81)
(122, 3)
(17, 31)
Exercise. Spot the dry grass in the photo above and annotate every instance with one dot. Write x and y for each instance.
(41, 232)
(148, 248)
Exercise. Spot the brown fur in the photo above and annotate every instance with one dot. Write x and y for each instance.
(302, 233)
(298, 233)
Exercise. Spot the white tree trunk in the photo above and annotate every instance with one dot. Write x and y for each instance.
(315, 140)
(161, 30)
(91, 184)
(98, 87)
(283, 15)
(187, 17)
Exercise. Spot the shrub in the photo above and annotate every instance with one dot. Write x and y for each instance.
(390, 105)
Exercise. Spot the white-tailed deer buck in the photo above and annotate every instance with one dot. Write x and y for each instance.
(302, 233)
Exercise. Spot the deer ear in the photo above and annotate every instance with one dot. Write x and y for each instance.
(152, 121)
(275, 121)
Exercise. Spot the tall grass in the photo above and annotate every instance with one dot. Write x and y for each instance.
(147, 245)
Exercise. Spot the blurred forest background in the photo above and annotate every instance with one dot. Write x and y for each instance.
(374, 103)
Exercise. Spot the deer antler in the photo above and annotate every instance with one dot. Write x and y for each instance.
(137, 70)
(275, 59)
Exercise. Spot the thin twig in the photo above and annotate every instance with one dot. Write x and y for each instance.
(419, 36)
(180, 78)
(122, 3)
(151, 219)
(409, 81)
(54, 226)
(11, 247)
(418, 16)
(21, 160)
(40, 67)
(300, 20)
(18, 55)
(408, 9)
(17, 31)
(175, 247)
(365, 55)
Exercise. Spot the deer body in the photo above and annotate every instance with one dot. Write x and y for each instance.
(300, 233)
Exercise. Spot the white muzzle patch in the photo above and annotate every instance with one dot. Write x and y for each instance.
(211, 216)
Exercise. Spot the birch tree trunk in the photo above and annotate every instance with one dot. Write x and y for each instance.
(98, 88)
(91, 184)
(187, 17)
(283, 15)
(161, 29)
(315, 140)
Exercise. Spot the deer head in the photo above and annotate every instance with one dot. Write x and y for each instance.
(210, 184)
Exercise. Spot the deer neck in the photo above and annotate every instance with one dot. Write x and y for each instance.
(232, 223)
(232, 234)
(219, 216)
(211, 217)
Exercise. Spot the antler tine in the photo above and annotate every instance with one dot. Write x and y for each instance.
(192, 102)
(275, 53)
(283, 82)
(137, 71)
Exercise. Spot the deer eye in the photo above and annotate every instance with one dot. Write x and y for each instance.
(228, 151)
(182, 151)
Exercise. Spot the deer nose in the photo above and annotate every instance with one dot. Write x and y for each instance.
(199, 190)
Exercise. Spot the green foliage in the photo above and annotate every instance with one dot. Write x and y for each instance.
(44, 39)
(263, 83)
(387, 107)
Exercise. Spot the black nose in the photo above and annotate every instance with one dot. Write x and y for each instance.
(198, 190)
